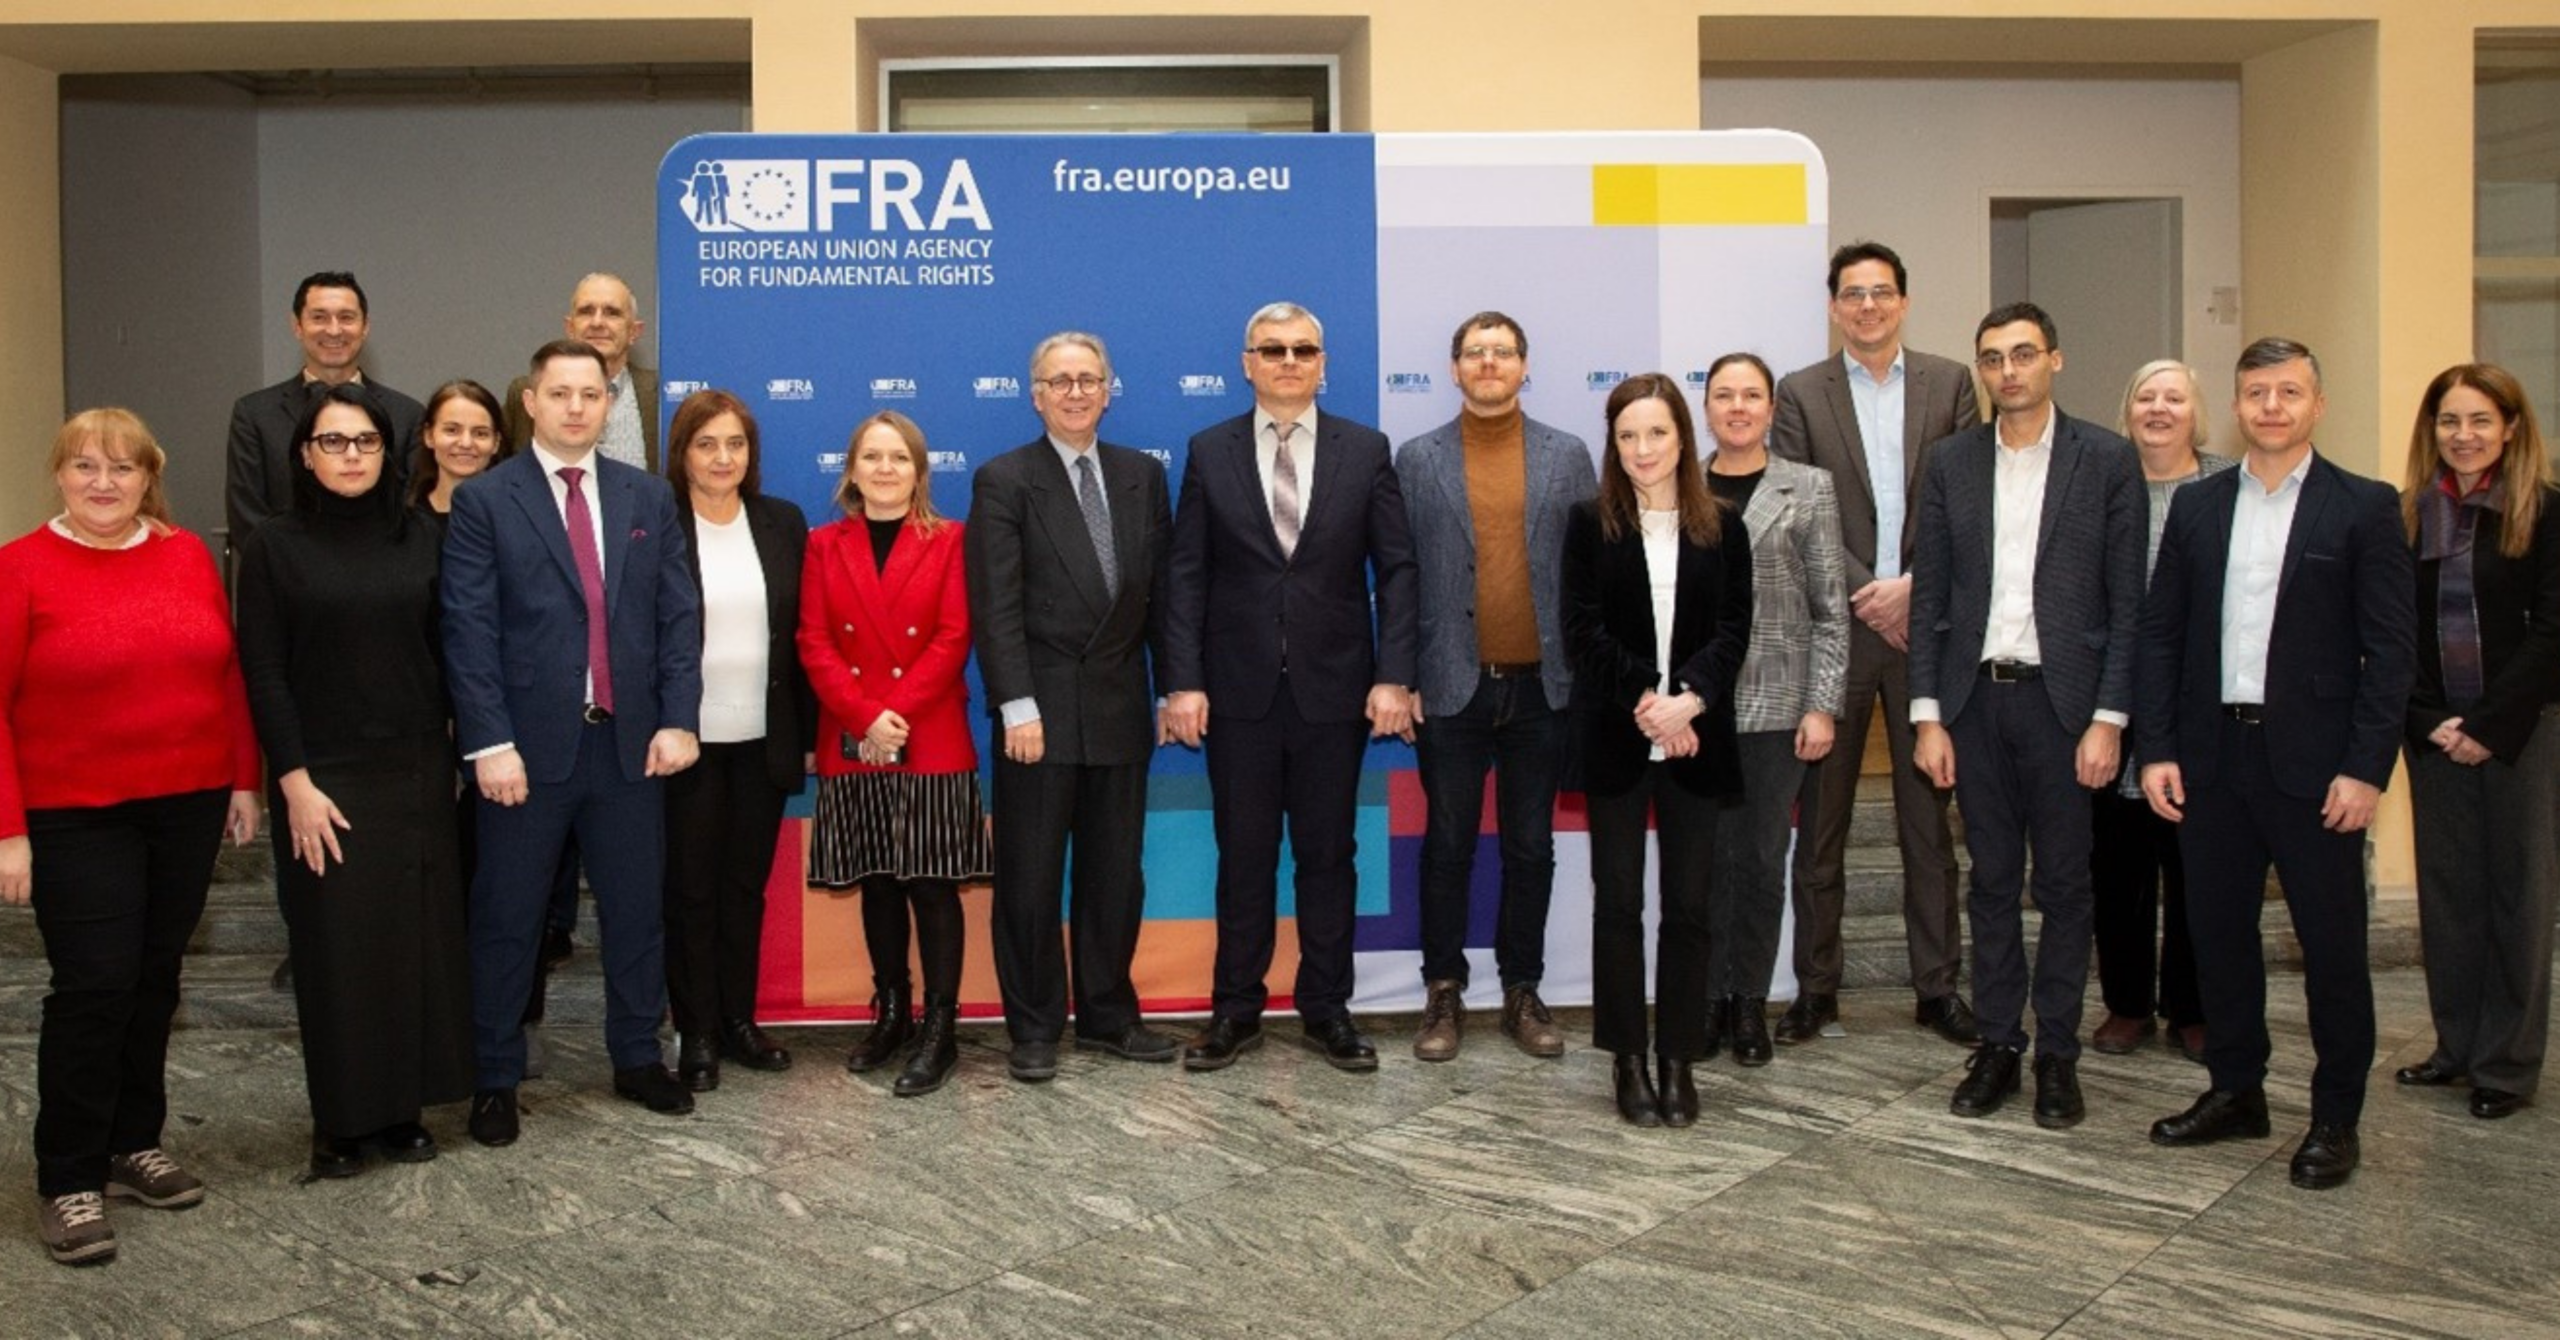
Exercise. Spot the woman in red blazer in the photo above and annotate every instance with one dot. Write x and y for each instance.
(884, 632)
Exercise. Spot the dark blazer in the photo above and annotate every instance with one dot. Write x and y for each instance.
(2090, 545)
(644, 388)
(1432, 471)
(261, 454)
(894, 639)
(1816, 422)
(781, 533)
(1048, 628)
(1608, 625)
(1233, 602)
(2343, 649)
(2519, 604)
(515, 638)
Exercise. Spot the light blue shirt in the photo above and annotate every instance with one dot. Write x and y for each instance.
(2261, 525)
(1879, 406)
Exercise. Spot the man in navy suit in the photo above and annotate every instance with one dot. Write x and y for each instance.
(2026, 583)
(573, 640)
(2279, 643)
(1285, 518)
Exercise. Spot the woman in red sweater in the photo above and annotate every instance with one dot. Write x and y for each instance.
(884, 632)
(125, 754)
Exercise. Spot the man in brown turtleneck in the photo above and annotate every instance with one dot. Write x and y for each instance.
(1487, 495)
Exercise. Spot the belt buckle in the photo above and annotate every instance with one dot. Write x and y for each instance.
(2002, 672)
(596, 716)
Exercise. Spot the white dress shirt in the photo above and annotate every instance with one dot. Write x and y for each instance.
(1662, 575)
(2261, 525)
(1879, 405)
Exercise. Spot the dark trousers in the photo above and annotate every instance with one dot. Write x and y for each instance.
(940, 934)
(117, 891)
(1262, 773)
(1749, 901)
(2234, 828)
(2141, 888)
(1682, 947)
(723, 816)
(1509, 730)
(1040, 809)
(2488, 846)
(1929, 918)
(621, 829)
(2017, 787)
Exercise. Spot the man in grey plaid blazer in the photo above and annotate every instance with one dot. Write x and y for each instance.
(2027, 578)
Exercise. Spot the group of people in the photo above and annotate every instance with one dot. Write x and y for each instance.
(484, 643)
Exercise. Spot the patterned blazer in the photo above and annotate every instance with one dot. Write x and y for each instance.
(1799, 656)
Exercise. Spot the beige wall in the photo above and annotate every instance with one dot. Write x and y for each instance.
(30, 294)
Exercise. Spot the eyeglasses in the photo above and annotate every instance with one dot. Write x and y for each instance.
(1086, 385)
(1488, 353)
(338, 444)
(2021, 358)
(1274, 353)
(1883, 295)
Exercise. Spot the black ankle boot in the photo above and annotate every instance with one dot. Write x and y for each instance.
(1636, 1100)
(1679, 1094)
(1750, 1030)
(892, 1023)
(937, 1050)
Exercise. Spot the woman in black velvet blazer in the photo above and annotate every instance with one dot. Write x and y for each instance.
(1656, 715)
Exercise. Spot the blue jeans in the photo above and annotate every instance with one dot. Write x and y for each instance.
(1508, 729)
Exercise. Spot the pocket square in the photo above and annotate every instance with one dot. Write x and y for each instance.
(638, 534)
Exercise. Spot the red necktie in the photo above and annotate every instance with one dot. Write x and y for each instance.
(582, 550)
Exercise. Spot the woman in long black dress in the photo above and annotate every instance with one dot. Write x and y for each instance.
(338, 642)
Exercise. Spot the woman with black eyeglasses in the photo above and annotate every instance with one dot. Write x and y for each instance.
(338, 642)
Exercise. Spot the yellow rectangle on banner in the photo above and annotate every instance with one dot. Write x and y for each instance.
(1652, 195)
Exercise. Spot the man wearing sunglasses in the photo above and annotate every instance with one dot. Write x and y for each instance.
(1286, 517)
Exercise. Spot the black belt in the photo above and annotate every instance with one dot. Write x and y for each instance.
(2011, 672)
(2247, 714)
(595, 716)
(1508, 669)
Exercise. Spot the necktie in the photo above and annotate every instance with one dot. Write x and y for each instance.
(582, 551)
(1284, 491)
(1097, 522)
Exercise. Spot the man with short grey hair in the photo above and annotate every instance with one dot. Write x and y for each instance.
(604, 315)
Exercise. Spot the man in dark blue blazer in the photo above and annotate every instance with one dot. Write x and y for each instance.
(573, 641)
(1285, 519)
(2026, 582)
(2278, 648)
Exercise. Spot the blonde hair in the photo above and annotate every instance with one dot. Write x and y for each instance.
(2195, 399)
(123, 436)
(920, 513)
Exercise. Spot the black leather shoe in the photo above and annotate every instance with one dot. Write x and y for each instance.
(2429, 1073)
(1678, 1093)
(336, 1156)
(1750, 1031)
(1137, 1042)
(2221, 1114)
(1340, 1043)
(1804, 1020)
(407, 1142)
(1218, 1046)
(493, 1117)
(2327, 1158)
(1951, 1019)
(937, 1051)
(2491, 1104)
(1990, 1077)
(741, 1041)
(892, 1025)
(2058, 1105)
(697, 1065)
(1637, 1101)
(1719, 1026)
(653, 1087)
(556, 946)
(1032, 1062)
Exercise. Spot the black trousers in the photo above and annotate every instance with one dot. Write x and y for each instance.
(1686, 824)
(2141, 887)
(1262, 773)
(2017, 787)
(2234, 828)
(118, 889)
(723, 816)
(1040, 807)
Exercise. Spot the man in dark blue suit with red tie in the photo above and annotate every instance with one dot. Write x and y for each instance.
(1285, 518)
(573, 641)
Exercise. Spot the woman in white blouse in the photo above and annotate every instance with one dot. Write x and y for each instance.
(724, 813)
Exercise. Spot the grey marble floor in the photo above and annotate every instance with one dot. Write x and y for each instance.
(1829, 1194)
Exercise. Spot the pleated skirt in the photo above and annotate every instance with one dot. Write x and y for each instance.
(902, 825)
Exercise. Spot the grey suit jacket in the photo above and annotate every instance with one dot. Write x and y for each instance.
(1816, 422)
(2090, 545)
(644, 391)
(1798, 661)
(1432, 470)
